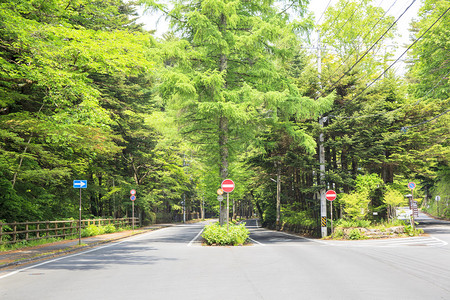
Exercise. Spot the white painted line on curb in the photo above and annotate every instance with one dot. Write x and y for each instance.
(255, 241)
(193, 240)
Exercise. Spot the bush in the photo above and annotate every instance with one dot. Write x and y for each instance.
(355, 204)
(215, 234)
(355, 234)
(110, 228)
(352, 223)
(412, 231)
(92, 230)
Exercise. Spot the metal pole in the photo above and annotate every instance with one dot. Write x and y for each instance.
(184, 208)
(132, 214)
(220, 214)
(331, 215)
(79, 224)
(412, 210)
(278, 196)
(228, 210)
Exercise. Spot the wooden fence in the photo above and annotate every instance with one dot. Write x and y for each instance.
(11, 233)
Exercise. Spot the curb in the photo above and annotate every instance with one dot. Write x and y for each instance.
(72, 249)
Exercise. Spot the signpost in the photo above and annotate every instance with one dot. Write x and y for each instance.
(228, 186)
(79, 184)
(132, 198)
(438, 198)
(330, 195)
(220, 199)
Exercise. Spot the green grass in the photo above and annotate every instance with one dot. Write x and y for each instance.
(25, 244)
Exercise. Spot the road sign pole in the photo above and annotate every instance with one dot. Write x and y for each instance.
(79, 224)
(220, 214)
(412, 210)
(331, 217)
(132, 214)
(228, 209)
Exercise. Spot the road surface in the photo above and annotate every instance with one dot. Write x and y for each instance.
(171, 264)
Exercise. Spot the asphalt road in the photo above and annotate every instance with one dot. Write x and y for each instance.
(170, 264)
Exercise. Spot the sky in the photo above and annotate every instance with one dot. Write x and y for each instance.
(154, 22)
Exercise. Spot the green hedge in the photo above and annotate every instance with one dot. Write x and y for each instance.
(214, 234)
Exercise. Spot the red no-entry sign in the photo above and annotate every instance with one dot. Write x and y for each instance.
(330, 195)
(227, 185)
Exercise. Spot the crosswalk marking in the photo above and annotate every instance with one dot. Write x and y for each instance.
(394, 242)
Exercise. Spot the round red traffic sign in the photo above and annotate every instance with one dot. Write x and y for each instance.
(133, 197)
(227, 185)
(133, 192)
(330, 195)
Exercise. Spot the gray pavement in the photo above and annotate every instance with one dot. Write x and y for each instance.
(169, 264)
(31, 254)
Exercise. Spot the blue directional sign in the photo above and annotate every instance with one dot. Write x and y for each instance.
(80, 184)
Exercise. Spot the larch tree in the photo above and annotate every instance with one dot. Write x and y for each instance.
(225, 72)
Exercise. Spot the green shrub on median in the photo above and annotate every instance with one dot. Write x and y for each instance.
(214, 234)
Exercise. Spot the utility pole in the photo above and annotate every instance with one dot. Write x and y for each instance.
(184, 194)
(278, 195)
(323, 201)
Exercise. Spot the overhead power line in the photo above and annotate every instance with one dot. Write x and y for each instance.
(404, 128)
(323, 12)
(407, 49)
(371, 47)
(398, 108)
(362, 40)
(340, 12)
(349, 18)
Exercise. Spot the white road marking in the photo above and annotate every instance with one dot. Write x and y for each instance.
(193, 240)
(131, 239)
(394, 242)
(255, 241)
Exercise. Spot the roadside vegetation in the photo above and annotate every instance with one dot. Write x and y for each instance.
(365, 229)
(91, 230)
(233, 90)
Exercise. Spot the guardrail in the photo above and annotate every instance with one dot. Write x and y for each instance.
(11, 233)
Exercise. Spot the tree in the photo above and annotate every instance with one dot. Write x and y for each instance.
(226, 72)
(53, 125)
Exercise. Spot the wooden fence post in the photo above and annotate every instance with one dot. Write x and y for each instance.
(14, 232)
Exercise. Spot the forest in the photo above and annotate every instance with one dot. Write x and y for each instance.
(246, 90)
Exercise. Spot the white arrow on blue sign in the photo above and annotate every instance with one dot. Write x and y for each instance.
(80, 184)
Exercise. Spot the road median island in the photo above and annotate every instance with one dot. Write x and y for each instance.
(231, 235)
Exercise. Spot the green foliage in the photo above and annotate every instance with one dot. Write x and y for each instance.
(24, 244)
(110, 228)
(92, 230)
(355, 234)
(214, 234)
(352, 223)
(303, 218)
(355, 204)
(413, 230)
(394, 198)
